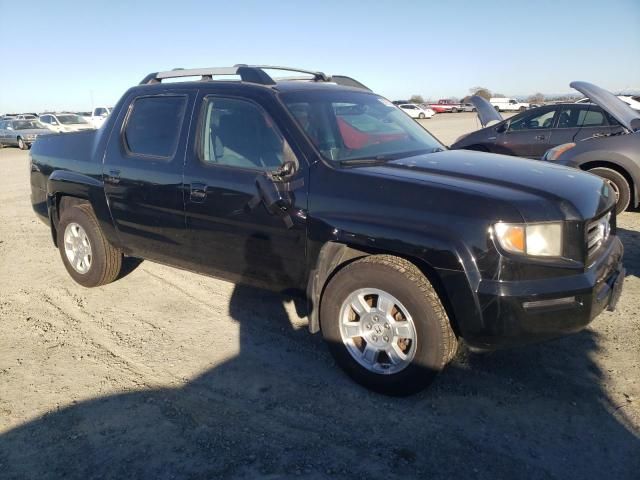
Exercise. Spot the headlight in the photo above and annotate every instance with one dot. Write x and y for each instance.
(537, 239)
(554, 153)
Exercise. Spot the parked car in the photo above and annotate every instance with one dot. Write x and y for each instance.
(98, 115)
(508, 104)
(401, 247)
(417, 111)
(531, 133)
(27, 116)
(468, 107)
(21, 133)
(632, 100)
(614, 156)
(64, 122)
(446, 106)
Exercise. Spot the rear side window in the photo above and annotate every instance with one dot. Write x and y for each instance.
(153, 125)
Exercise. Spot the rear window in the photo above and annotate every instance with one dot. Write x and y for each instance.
(154, 124)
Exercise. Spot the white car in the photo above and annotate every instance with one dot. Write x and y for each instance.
(632, 100)
(504, 104)
(26, 116)
(99, 115)
(65, 122)
(417, 111)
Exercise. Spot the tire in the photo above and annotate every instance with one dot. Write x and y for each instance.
(497, 109)
(454, 110)
(522, 109)
(22, 145)
(421, 116)
(104, 261)
(619, 184)
(433, 344)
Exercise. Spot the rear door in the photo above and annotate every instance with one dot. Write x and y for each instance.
(528, 135)
(230, 235)
(580, 121)
(143, 170)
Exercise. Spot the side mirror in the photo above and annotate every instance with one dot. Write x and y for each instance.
(503, 127)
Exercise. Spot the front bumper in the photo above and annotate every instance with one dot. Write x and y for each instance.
(528, 311)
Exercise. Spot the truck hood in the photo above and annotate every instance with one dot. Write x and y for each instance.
(486, 112)
(540, 191)
(618, 109)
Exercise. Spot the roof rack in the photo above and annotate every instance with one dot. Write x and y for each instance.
(248, 73)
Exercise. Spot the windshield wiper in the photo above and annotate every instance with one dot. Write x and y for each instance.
(379, 160)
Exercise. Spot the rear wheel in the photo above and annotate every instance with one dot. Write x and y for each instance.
(22, 144)
(385, 325)
(618, 184)
(454, 110)
(87, 255)
(421, 116)
(522, 109)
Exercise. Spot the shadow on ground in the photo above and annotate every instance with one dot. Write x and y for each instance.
(282, 408)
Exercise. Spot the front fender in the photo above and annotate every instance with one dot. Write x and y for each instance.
(600, 157)
(447, 262)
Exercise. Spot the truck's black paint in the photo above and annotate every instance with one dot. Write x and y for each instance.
(435, 210)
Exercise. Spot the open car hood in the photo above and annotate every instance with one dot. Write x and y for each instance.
(618, 109)
(486, 112)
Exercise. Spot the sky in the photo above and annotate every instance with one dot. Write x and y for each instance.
(73, 55)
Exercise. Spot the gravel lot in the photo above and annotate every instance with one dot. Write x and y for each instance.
(169, 374)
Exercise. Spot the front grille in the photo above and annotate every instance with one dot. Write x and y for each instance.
(598, 232)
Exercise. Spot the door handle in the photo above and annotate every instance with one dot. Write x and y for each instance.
(539, 137)
(198, 192)
(113, 177)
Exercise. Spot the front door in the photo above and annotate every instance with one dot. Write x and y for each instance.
(230, 234)
(142, 174)
(528, 135)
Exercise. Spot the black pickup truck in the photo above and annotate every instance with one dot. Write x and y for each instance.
(316, 185)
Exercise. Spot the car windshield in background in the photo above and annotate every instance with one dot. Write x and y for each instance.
(71, 119)
(27, 124)
(355, 126)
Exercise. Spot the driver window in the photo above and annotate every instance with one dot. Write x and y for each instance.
(533, 121)
(238, 133)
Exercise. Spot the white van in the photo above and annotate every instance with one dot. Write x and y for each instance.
(508, 104)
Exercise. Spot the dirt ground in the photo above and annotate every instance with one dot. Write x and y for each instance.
(168, 374)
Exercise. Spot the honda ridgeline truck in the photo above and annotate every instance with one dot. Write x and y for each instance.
(318, 186)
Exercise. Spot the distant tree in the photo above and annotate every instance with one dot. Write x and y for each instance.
(499, 95)
(536, 98)
(416, 99)
(481, 92)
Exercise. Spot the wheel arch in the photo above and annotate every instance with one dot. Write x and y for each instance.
(335, 256)
(633, 186)
(66, 189)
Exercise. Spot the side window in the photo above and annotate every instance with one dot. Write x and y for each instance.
(533, 121)
(238, 133)
(153, 125)
(99, 112)
(593, 117)
(44, 118)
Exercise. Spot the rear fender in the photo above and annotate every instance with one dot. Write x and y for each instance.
(64, 183)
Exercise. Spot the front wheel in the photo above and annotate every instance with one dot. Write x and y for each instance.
(421, 116)
(454, 110)
(22, 144)
(618, 184)
(87, 255)
(385, 325)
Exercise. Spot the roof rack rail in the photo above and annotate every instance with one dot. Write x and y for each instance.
(247, 73)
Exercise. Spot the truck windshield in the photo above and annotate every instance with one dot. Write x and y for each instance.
(71, 119)
(357, 125)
